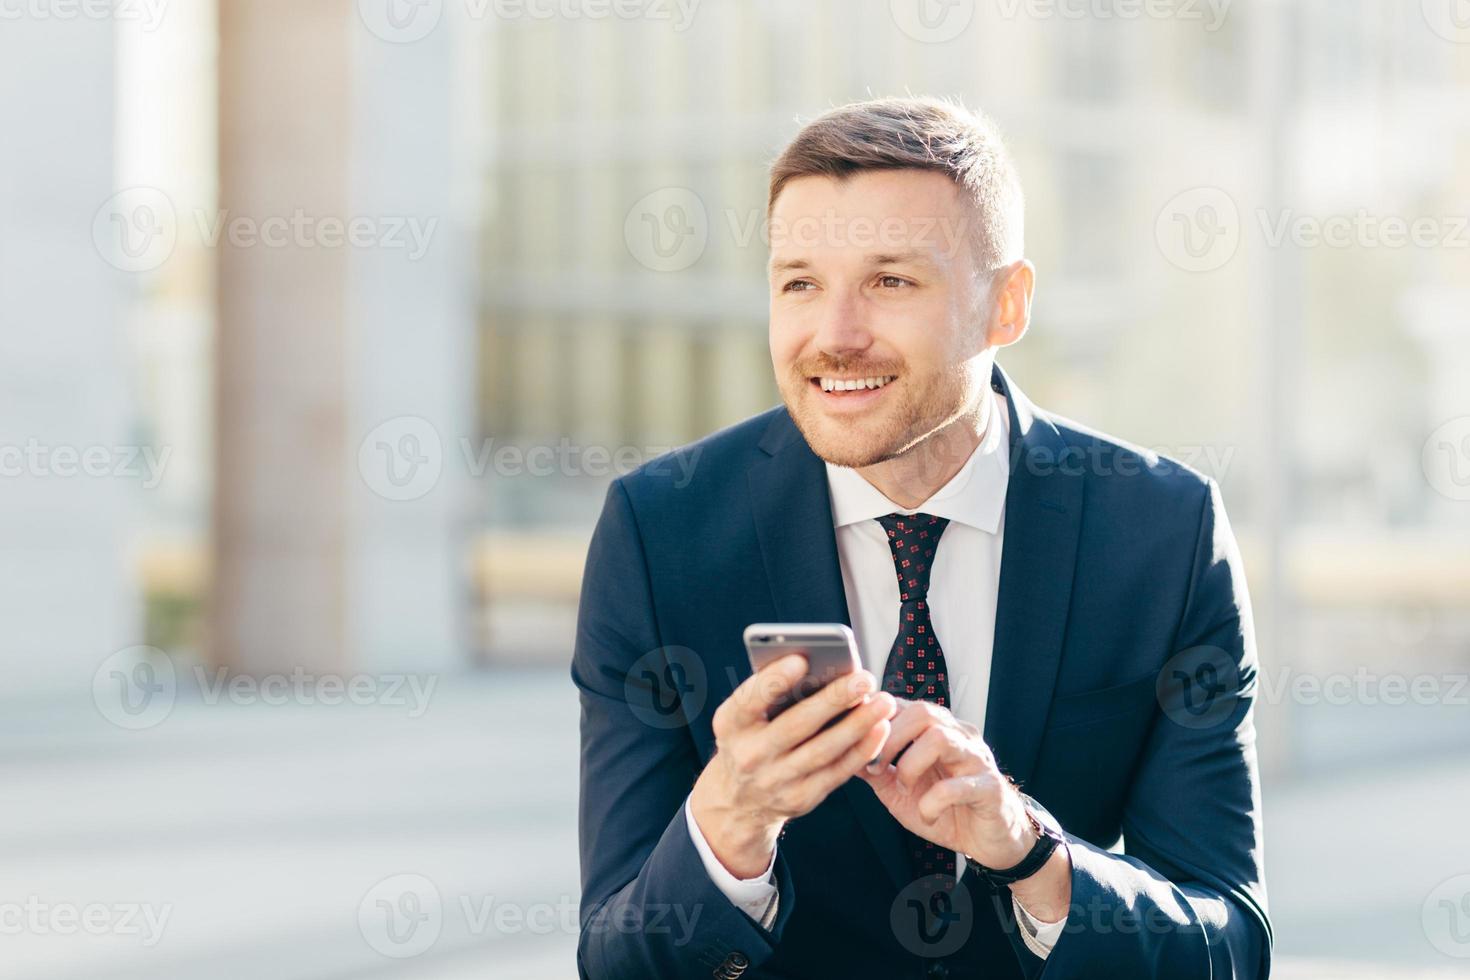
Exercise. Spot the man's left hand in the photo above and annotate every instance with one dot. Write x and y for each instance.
(947, 789)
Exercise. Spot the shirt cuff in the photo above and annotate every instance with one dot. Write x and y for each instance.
(756, 897)
(1039, 937)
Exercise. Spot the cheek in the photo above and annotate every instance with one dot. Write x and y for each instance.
(927, 335)
(786, 338)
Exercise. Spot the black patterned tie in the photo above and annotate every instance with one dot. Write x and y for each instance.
(915, 668)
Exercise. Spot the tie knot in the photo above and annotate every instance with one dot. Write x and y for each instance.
(912, 539)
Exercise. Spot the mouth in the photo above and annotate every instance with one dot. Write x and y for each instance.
(851, 393)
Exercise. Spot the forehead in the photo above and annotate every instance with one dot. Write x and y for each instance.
(872, 192)
(871, 212)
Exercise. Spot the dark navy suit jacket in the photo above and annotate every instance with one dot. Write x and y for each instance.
(1121, 692)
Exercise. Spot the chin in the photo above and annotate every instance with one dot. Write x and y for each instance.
(853, 443)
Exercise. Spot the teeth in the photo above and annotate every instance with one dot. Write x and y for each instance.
(854, 384)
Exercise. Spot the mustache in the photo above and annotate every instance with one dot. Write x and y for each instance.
(862, 369)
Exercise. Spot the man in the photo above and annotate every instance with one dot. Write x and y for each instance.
(1038, 607)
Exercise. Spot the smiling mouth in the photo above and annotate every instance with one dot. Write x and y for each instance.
(843, 386)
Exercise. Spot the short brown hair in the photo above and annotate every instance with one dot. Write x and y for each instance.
(916, 133)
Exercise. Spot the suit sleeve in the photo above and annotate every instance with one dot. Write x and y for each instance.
(648, 908)
(1188, 900)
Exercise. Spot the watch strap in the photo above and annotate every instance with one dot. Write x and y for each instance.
(1047, 841)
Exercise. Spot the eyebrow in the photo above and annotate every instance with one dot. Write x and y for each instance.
(898, 258)
(882, 258)
(789, 265)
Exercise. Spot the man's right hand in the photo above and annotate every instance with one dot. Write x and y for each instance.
(765, 772)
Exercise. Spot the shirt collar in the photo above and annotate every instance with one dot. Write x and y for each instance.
(974, 496)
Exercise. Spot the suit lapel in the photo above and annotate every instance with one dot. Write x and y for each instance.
(793, 521)
(1038, 563)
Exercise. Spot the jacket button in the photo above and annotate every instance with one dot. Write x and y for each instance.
(732, 967)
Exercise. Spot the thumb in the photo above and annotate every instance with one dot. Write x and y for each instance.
(884, 783)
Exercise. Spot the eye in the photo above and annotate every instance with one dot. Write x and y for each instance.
(890, 281)
(798, 286)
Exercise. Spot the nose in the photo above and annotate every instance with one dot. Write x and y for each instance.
(843, 326)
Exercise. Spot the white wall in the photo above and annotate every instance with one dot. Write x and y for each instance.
(66, 597)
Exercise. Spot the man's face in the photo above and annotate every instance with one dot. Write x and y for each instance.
(873, 278)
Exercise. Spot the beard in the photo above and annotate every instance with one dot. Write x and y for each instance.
(912, 409)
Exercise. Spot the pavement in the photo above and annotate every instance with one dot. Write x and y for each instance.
(437, 841)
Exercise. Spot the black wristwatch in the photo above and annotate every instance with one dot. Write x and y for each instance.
(1047, 841)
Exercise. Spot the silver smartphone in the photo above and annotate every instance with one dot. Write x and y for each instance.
(830, 650)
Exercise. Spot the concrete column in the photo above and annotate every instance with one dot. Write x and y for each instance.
(282, 445)
(346, 358)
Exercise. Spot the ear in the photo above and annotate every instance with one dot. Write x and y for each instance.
(1013, 287)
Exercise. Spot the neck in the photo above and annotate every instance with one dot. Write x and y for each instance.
(913, 477)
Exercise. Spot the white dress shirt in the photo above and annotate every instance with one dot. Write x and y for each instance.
(963, 588)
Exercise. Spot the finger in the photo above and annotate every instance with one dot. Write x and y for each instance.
(806, 718)
(937, 744)
(751, 702)
(884, 783)
(914, 718)
(851, 762)
(979, 789)
(824, 748)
